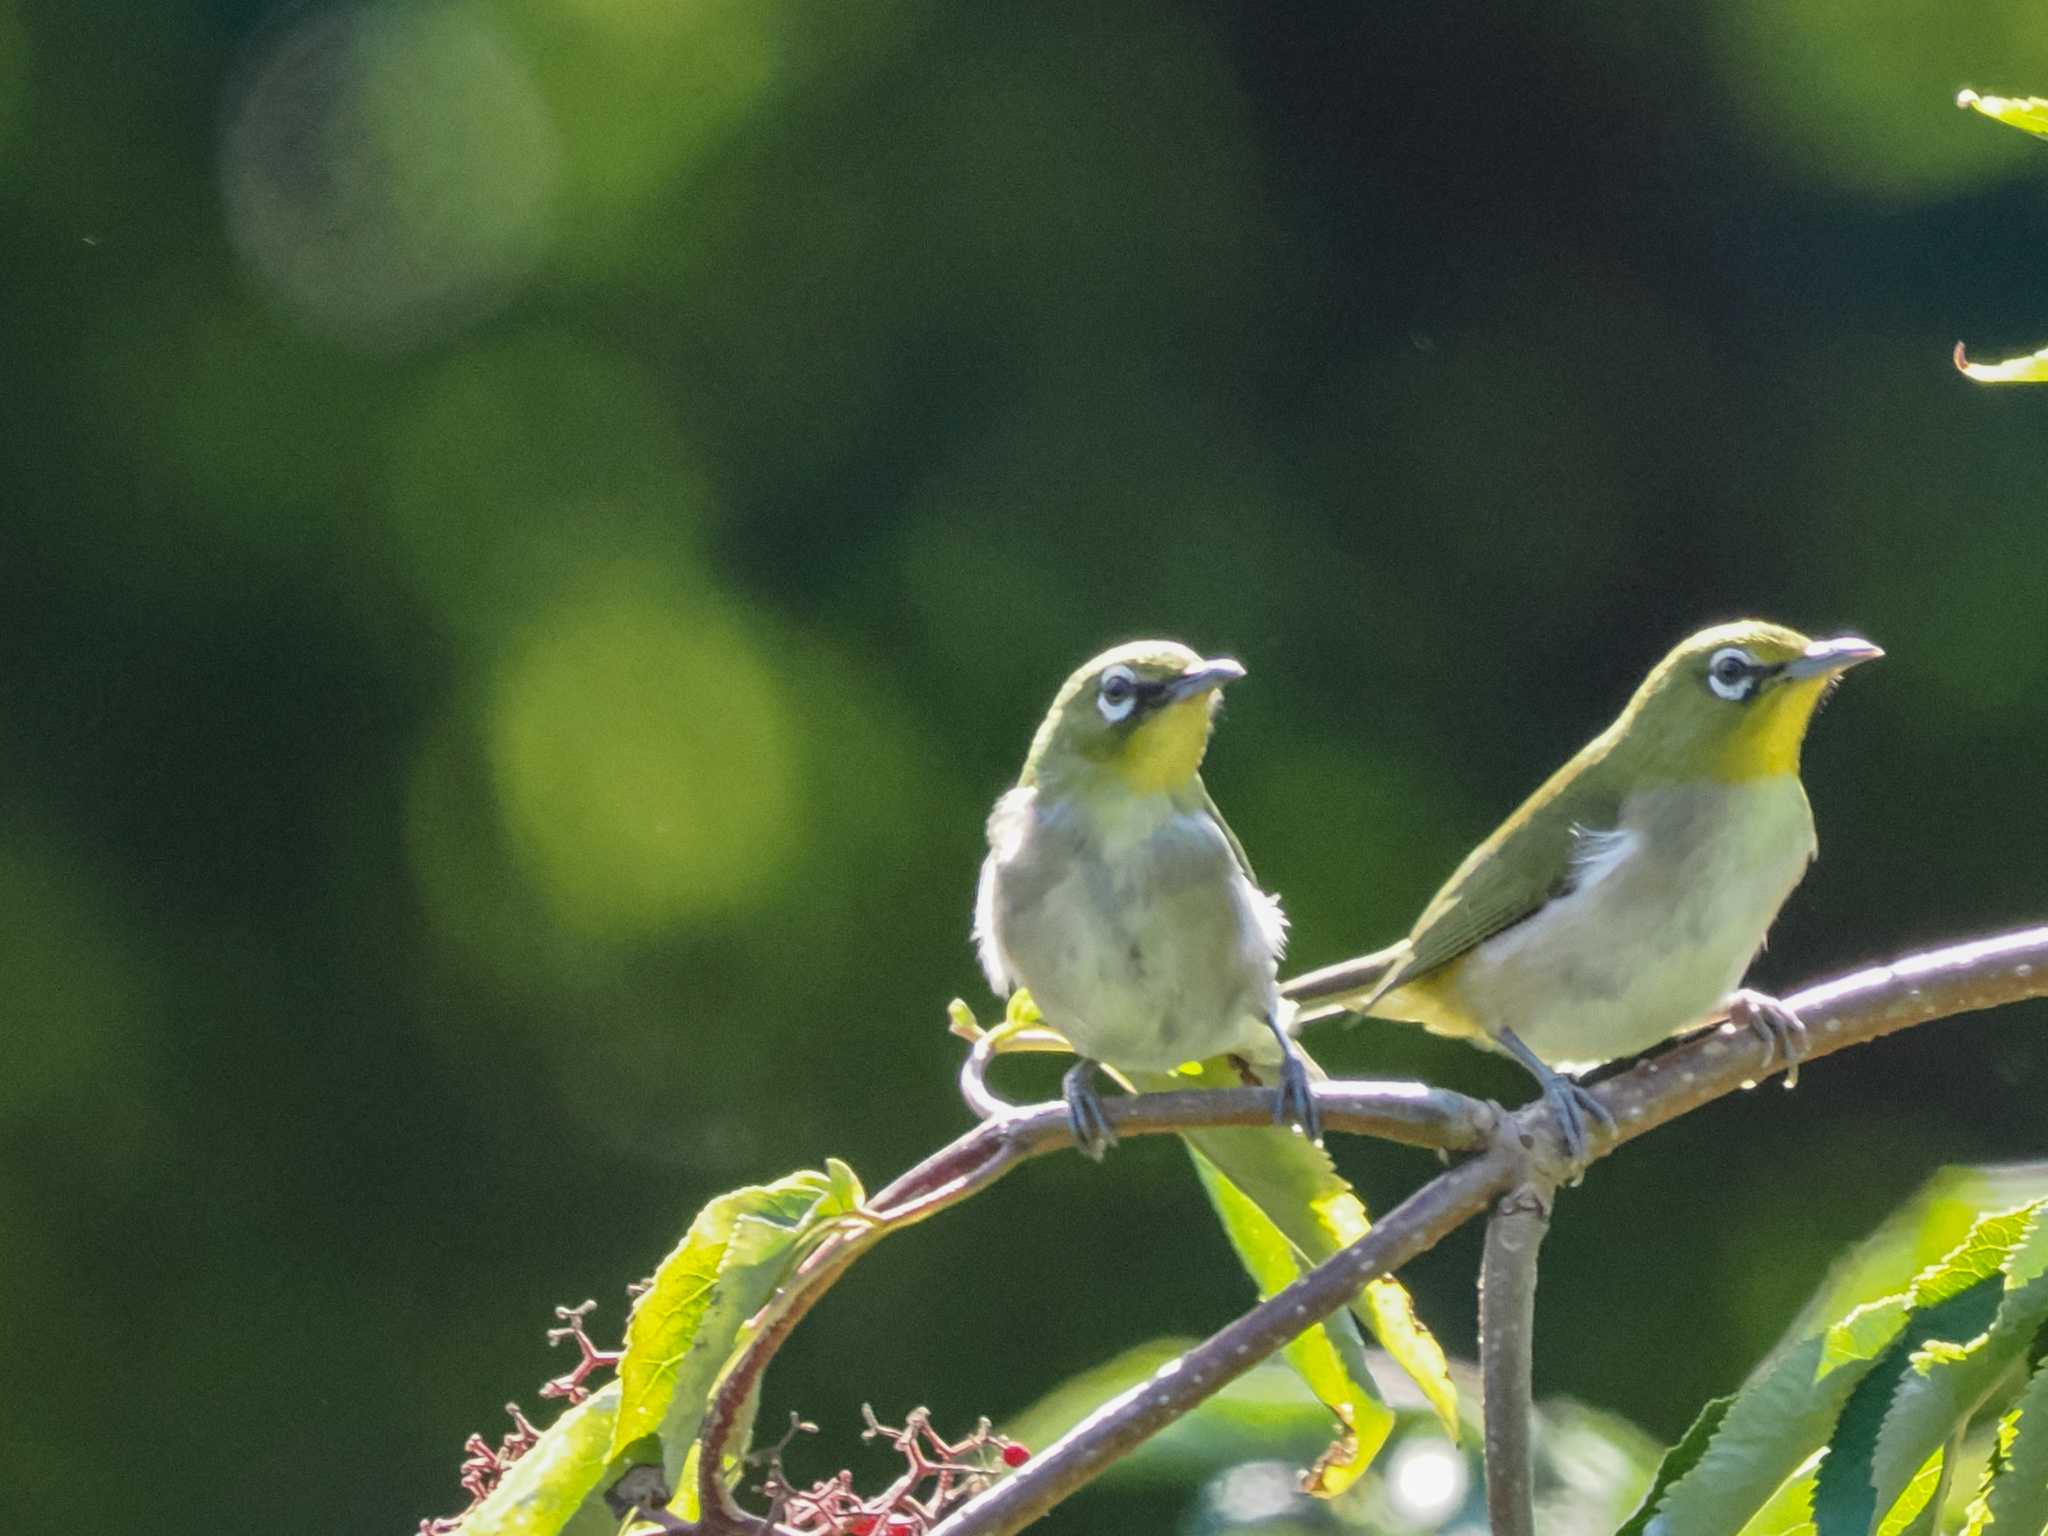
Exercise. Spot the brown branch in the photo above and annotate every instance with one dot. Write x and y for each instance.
(1850, 1010)
(1408, 1113)
(1507, 1334)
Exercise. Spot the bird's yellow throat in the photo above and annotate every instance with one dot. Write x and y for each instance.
(1166, 750)
(1769, 742)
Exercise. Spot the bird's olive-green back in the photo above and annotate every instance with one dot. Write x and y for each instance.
(1672, 730)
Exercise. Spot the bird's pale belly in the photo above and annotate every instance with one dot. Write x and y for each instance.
(1655, 947)
(1131, 982)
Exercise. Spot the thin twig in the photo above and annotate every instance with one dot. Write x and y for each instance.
(1507, 1333)
(1847, 1011)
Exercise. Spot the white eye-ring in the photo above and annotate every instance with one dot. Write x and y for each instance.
(1733, 673)
(1117, 694)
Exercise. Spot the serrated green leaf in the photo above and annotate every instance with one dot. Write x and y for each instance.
(1918, 1509)
(2029, 114)
(1845, 1499)
(1847, 1496)
(1300, 1191)
(2017, 1498)
(1952, 1372)
(1330, 1357)
(545, 1487)
(1677, 1462)
(1921, 1232)
(686, 1326)
(1789, 1511)
(1766, 1432)
(1737, 1461)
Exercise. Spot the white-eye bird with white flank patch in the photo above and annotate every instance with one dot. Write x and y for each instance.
(1622, 903)
(1114, 890)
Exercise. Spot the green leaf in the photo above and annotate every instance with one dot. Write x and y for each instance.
(686, 1326)
(1845, 1502)
(1919, 1234)
(1297, 1187)
(545, 1487)
(1330, 1356)
(2016, 1499)
(1918, 1510)
(1951, 1374)
(1677, 1462)
(2031, 368)
(1837, 1385)
(2029, 114)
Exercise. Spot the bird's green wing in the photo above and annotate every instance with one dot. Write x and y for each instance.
(1528, 861)
(1244, 862)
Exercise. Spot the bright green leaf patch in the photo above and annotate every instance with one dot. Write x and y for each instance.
(2030, 369)
(546, 1486)
(2016, 1498)
(1298, 1189)
(1885, 1391)
(686, 1326)
(2029, 114)
(1329, 1356)
(1845, 1502)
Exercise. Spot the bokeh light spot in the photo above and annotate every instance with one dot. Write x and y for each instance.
(389, 170)
(1254, 1492)
(1426, 1480)
(644, 757)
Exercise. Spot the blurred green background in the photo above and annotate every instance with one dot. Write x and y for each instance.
(535, 529)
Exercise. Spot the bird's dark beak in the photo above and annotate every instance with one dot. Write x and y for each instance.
(1203, 677)
(1823, 658)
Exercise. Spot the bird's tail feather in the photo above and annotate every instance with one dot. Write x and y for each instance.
(1339, 988)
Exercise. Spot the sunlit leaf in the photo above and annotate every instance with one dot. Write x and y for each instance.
(1836, 1386)
(1329, 1356)
(1954, 1371)
(545, 1487)
(686, 1326)
(2014, 1497)
(2027, 113)
(1918, 1510)
(1299, 1189)
(1845, 1502)
(2030, 369)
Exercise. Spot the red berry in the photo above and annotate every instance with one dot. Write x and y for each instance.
(861, 1525)
(1015, 1455)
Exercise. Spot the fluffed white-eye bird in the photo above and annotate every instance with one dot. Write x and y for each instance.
(1622, 903)
(1115, 891)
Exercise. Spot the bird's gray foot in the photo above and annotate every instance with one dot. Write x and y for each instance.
(1297, 1103)
(1092, 1133)
(1569, 1100)
(1782, 1031)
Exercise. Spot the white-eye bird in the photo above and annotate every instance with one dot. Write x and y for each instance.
(1114, 890)
(1622, 903)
